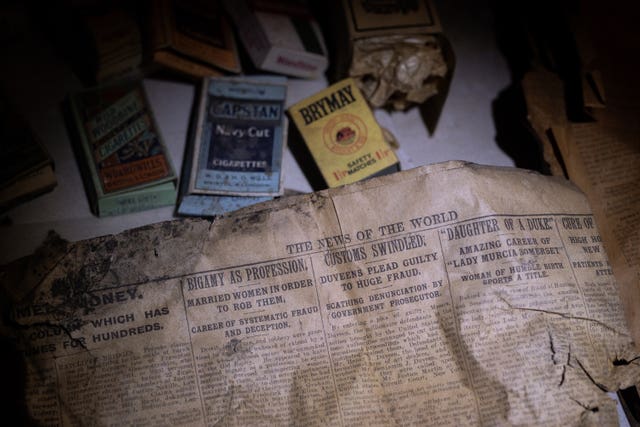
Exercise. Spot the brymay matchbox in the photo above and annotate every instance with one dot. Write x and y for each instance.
(342, 135)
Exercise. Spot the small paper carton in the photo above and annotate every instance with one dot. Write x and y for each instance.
(342, 135)
(281, 37)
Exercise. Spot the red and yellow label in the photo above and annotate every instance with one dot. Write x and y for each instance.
(139, 172)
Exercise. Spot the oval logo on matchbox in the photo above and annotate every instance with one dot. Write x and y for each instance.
(344, 134)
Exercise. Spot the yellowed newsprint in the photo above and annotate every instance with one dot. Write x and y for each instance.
(452, 294)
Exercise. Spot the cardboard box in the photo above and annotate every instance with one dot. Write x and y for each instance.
(234, 155)
(192, 37)
(368, 19)
(122, 156)
(239, 138)
(280, 37)
(357, 21)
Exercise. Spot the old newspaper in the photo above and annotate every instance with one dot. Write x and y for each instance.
(453, 294)
(602, 158)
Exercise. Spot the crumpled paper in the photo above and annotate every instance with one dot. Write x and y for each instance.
(397, 71)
